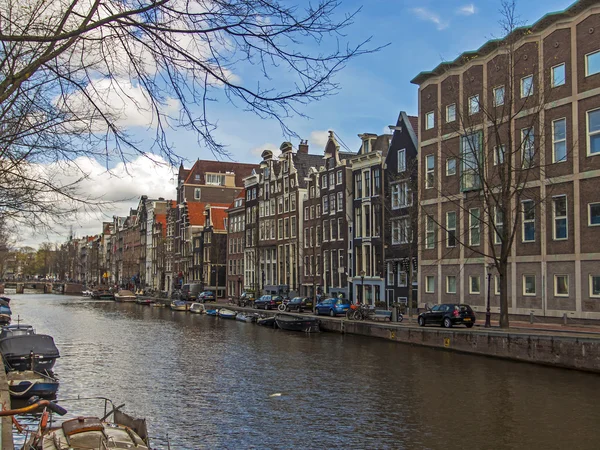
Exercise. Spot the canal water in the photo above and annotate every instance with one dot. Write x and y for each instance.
(209, 383)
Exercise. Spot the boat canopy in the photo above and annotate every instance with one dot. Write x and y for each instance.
(24, 345)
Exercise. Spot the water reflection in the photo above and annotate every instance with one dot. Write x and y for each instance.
(207, 383)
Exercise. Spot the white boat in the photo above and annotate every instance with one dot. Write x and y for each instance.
(227, 313)
(245, 317)
(179, 305)
(125, 296)
(197, 308)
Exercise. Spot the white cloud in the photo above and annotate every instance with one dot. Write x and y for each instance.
(467, 10)
(318, 138)
(257, 151)
(430, 16)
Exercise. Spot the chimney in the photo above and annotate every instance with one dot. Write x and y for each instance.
(303, 147)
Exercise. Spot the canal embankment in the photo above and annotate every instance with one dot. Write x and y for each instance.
(6, 433)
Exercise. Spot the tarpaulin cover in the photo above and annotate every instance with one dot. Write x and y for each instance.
(39, 344)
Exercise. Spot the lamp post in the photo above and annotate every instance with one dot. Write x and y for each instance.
(239, 287)
(362, 286)
(488, 313)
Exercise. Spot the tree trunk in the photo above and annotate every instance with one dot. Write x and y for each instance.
(502, 269)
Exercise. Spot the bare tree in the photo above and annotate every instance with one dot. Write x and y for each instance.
(75, 74)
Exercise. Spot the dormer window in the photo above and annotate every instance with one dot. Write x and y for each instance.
(366, 146)
(285, 166)
(267, 173)
(197, 177)
(215, 179)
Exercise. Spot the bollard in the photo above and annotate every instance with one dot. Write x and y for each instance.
(394, 314)
(531, 317)
(564, 318)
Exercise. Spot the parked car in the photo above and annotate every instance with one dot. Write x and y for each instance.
(333, 306)
(268, 302)
(206, 296)
(190, 292)
(447, 315)
(299, 304)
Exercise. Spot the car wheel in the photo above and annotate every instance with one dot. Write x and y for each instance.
(447, 322)
(421, 321)
(469, 325)
(267, 307)
(331, 313)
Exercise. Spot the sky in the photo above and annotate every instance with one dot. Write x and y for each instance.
(373, 89)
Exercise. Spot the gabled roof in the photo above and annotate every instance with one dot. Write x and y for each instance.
(414, 123)
(196, 211)
(303, 162)
(217, 218)
(241, 170)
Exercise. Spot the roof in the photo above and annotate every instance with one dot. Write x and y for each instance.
(414, 123)
(217, 218)
(241, 170)
(196, 212)
(303, 162)
(162, 219)
(517, 33)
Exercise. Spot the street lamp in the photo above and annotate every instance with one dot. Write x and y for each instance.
(239, 287)
(488, 313)
(362, 286)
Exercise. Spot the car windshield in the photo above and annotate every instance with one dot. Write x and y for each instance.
(296, 300)
(436, 308)
(342, 301)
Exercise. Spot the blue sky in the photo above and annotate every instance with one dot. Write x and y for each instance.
(374, 88)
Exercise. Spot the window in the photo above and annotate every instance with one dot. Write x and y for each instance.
(474, 230)
(197, 194)
(293, 227)
(451, 284)
(451, 229)
(592, 63)
(376, 181)
(197, 177)
(499, 155)
(430, 233)
(558, 77)
(390, 274)
(450, 166)
(339, 177)
(593, 132)
(561, 285)
(325, 204)
(324, 181)
(499, 96)
(213, 178)
(529, 285)
(527, 147)
(593, 214)
(528, 220)
(559, 140)
(401, 195)
(401, 160)
(402, 279)
(332, 203)
(527, 86)
(496, 285)
(340, 228)
(331, 180)
(358, 185)
(474, 284)
(594, 286)
(400, 230)
(430, 284)
(340, 201)
(499, 225)
(559, 212)
(429, 120)
(366, 146)
(429, 171)
(471, 156)
(367, 176)
(473, 105)
(451, 113)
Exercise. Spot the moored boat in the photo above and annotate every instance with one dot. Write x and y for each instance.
(125, 296)
(26, 384)
(102, 294)
(297, 323)
(266, 321)
(197, 308)
(179, 305)
(227, 313)
(18, 329)
(29, 352)
(5, 314)
(144, 300)
(211, 312)
(245, 317)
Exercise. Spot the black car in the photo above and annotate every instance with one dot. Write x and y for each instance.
(268, 302)
(299, 304)
(447, 315)
(206, 296)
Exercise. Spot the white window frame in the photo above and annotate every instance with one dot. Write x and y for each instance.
(340, 201)
(474, 223)
(591, 278)
(430, 120)
(555, 218)
(197, 193)
(553, 80)
(339, 177)
(529, 294)
(471, 278)
(401, 160)
(473, 104)
(451, 108)
(587, 74)
(556, 277)
(525, 220)
(590, 224)
(499, 155)
(450, 230)
(498, 225)
(429, 171)
(590, 134)
(390, 274)
(427, 288)
(448, 291)
(527, 148)
(496, 285)
(495, 98)
(429, 232)
(556, 142)
(448, 171)
(522, 86)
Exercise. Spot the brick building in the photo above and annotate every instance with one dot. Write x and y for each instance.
(236, 219)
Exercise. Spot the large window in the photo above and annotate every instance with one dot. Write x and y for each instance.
(499, 96)
(593, 132)
(430, 232)
(214, 178)
(451, 229)
(450, 166)
(592, 63)
(401, 195)
(400, 230)
(474, 284)
(429, 120)
(471, 158)
(594, 214)
(358, 185)
(526, 86)
(559, 140)
(451, 284)
(430, 284)
(528, 220)
(561, 285)
(474, 227)
(473, 104)
(429, 171)
(529, 285)
(340, 201)
(558, 75)
(559, 213)
(527, 147)
(401, 160)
